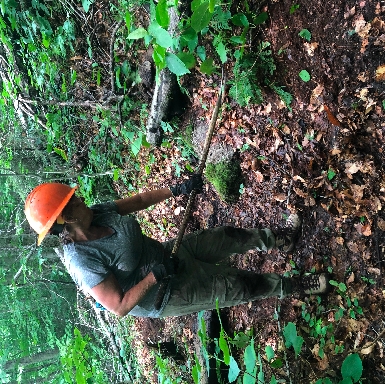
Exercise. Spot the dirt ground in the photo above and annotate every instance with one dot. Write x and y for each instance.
(324, 159)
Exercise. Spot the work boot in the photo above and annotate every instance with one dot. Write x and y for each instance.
(317, 284)
(286, 240)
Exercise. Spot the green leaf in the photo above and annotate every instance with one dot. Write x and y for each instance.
(201, 17)
(161, 13)
(250, 357)
(277, 363)
(222, 52)
(196, 374)
(201, 52)
(305, 34)
(159, 56)
(233, 370)
(269, 352)
(127, 19)
(188, 59)
(273, 380)
(352, 367)
(241, 340)
(137, 34)
(116, 177)
(261, 18)
(240, 20)
(212, 5)
(86, 5)
(61, 153)
(292, 339)
(176, 65)
(331, 174)
(135, 146)
(304, 75)
(189, 38)
(207, 66)
(224, 348)
(162, 37)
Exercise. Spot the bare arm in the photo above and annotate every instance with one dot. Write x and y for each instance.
(110, 295)
(142, 200)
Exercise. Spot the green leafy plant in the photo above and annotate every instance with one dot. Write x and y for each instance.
(294, 8)
(305, 34)
(292, 339)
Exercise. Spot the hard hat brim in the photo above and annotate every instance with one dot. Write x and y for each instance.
(53, 218)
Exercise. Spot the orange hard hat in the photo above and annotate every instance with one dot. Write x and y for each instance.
(44, 205)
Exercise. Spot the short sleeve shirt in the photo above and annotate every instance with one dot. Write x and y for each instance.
(127, 253)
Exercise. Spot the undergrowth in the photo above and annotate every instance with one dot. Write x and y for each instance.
(226, 176)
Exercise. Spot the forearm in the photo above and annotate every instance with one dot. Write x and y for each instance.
(110, 295)
(142, 200)
(133, 296)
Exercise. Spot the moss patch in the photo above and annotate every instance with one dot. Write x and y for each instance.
(227, 178)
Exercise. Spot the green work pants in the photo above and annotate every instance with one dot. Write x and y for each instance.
(201, 279)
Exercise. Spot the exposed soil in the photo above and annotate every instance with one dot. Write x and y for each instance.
(325, 159)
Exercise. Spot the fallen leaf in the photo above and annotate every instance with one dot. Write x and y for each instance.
(368, 348)
(310, 48)
(258, 176)
(381, 224)
(350, 279)
(299, 192)
(374, 271)
(351, 12)
(380, 73)
(280, 197)
(331, 117)
(352, 168)
(340, 240)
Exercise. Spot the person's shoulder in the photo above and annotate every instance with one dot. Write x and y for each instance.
(107, 207)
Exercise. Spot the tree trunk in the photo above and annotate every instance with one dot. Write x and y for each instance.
(36, 358)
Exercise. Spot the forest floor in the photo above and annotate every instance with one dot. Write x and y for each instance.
(325, 159)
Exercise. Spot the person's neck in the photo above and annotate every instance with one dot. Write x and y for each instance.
(92, 233)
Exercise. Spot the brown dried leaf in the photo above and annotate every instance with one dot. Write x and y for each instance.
(300, 193)
(380, 73)
(351, 12)
(258, 176)
(381, 224)
(331, 117)
(279, 197)
(368, 348)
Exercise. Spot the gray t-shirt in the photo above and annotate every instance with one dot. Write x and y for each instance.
(126, 253)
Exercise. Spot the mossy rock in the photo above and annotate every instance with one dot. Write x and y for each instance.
(226, 177)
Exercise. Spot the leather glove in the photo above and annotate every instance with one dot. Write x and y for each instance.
(194, 182)
(159, 272)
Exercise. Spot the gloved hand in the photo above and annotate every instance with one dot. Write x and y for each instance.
(194, 182)
(167, 268)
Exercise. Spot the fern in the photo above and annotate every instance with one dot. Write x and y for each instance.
(286, 97)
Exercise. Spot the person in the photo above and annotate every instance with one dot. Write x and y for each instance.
(108, 256)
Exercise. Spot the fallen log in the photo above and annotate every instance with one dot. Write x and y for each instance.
(165, 88)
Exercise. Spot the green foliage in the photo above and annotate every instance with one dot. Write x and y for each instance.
(304, 75)
(292, 339)
(351, 369)
(226, 178)
(251, 73)
(79, 363)
(305, 34)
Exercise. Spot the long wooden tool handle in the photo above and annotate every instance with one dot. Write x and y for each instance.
(202, 164)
